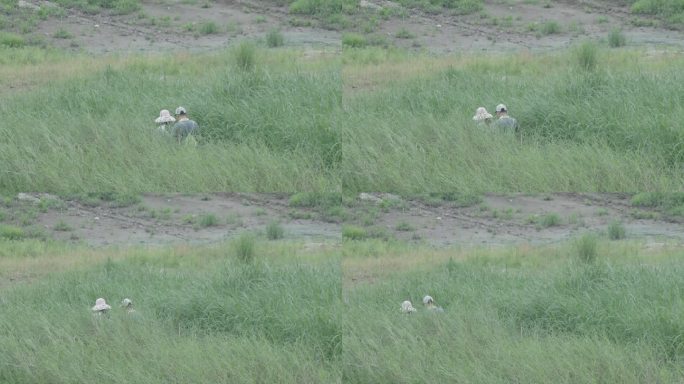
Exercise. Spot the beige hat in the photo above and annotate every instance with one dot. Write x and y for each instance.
(164, 117)
(101, 305)
(407, 307)
(428, 299)
(501, 108)
(482, 114)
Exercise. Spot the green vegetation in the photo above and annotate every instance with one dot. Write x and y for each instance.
(586, 248)
(550, 28)
(62, 34)
(194, 308)
(550, 220)
(243, 247)
(672, 11)
(208, 220)
(62, 226)
(407, 124)
(274, 39)
(513, 315)
(208, 28)
(11, 232)
(354, 40)
(404, 33)
(437, 6)
(264, 129)
(404, 226)
(353, 232)
(274, 231)
(616, 231)
(616, 38)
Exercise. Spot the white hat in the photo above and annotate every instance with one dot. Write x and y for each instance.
(501, 108)
(164, 117)
(428, 299)
(126, 302)
(407, 307)
(101, 305)
(181, 111)
(482, 114)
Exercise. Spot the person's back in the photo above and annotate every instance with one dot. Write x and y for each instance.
(184, 127)
(505, 123)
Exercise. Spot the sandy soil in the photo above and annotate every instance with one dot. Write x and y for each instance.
(500, 26)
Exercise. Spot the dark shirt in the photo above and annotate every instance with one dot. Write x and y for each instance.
(183, 128)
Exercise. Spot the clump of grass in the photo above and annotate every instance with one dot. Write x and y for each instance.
(245, 56)
(243, 247)
(11, 232)
(587, 56)
(315, 199)
(616, 38)
(208, 220)
(404, 226)
(11, 40)
(274, 231)
(404, 34)
(353, 232)
(207, 28)
(616, 231)
(586, 248)
(274, 39)
(354, 40)
(550, 220)
(62, 34)
(62, 226)
(550, 28)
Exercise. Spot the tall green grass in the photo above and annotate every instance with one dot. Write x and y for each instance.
(610, 129)
(509, 320)
(200, 317)
(269, 129)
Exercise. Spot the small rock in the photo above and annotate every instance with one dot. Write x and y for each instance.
(97, 218)
(26, 197)
(368, 197)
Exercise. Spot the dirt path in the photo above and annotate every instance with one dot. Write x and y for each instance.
(519, 219)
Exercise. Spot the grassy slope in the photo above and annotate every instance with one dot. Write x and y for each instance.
(612, 129)
(513, 315)
(262, 130)
(201, 315)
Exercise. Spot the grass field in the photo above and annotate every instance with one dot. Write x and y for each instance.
(87, 123)
(518, 314)
(590, 121)
(203, 314)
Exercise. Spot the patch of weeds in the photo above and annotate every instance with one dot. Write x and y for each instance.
(404, 226)
(601, 212)
(505, 214)
(616, 231)
(207, 28)
(550, 220)
(315, 200)
(354, 40)
(62, 226)
(550, 28)
(46, 204)
(532, 219)
(616, 38)
(335, 214)
(300, 215)
(645, 215)
(648, 199)
(11, 40)
(3, 215)
(404, 33)
(586, 248)
(335, 22)
(234, 28)
(205, 198)
(245, 56)
(207, 220)
(206, 5)
(188, 27)
(243, 247)
(353, 232)
(161, 213)
(126, 7)
(379, 233)
(274, 39)
(587, 56)
(259, 212)
(576, 219)
(576, 28)
(260, 19)
(387, 204)
(234, 219)
(188, 219)
(296, 22)
(274, 231)
(11, 232)
(416, 236)
(676, 211)
(602, 19)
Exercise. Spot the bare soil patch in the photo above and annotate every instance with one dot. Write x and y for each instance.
(518, 219)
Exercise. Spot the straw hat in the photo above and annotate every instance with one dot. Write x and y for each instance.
(164, 117)
(482, 114)
(428, 299)
(407, 307)
(101, 305)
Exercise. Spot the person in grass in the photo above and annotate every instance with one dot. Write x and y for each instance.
(482, 117)
(505, 123)
(127, 305)
(184, 129)
(101, 307)
(429, 303)
(164, 121)
(407, 307)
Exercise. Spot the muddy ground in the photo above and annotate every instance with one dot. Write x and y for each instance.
(199, 219)
(510, 25)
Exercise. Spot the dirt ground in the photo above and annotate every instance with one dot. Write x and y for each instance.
(512, 25)
(185, 219)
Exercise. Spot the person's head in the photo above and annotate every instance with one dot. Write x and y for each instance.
(427, 300)
(101, 305)
(481, 115)
(181, 113)
(127, 303)
(501, 110)
(164, 117)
